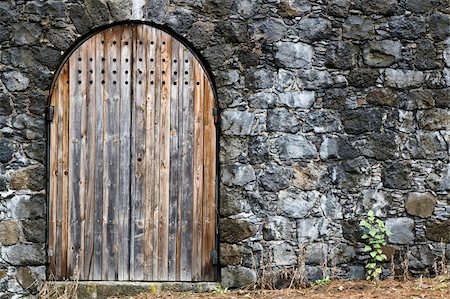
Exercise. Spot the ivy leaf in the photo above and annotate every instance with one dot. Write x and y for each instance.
(364, 223)
(379, 258)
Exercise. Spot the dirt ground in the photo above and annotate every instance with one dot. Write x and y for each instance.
(438, 287)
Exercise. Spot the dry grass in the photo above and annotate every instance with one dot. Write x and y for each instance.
(438, 287)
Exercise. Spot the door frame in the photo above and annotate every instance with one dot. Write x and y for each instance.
(49, 113)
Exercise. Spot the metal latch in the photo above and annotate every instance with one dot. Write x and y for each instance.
(215, 113)
(49, 113)
(214, 256)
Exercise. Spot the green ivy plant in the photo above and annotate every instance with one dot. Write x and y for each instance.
(375, 238)
(323, 281)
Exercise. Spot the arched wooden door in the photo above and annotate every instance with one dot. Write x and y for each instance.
(132, 161)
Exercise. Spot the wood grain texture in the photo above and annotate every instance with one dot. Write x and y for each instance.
(76, 198)
(197, 229)
(164, 155)
(138, 156)
(98, 86)
(156, 156)
(177, 172)
(133, 171)
(148, 36)
(123, 209)
(174, 163)
(209, 181)
(88, 244)
(186, 171)
(112, 143)
(63, 184)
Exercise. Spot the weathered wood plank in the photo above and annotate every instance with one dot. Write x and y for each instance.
(198, 174)
(63, 232)
(186, 170)
(149, 44)
(164, 160)
(98, 171)
(112, 142)
(83, 76)
(76, 105)
(123, 210)
(56, 175)
(178, 188)
(174, 161)
(209, 181)
(107, 102)
(138, 162)
(156, 155)
(90, 137)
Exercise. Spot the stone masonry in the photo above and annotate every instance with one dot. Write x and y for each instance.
(329, 108)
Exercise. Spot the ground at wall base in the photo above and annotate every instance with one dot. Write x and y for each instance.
(438, 287)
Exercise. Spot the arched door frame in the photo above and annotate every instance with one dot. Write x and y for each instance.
(207, 70)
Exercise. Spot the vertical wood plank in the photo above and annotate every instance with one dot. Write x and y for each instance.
(59, 97)
(63, 191)
(111, 153)
(178, 188)
(83, 74)
(198, 173)
(209, 182)
(138, 162)
(186, 171)
(77, 100)
(174, 162)
(124, 81)
(88, 233)
(53, 187)
(98, 171)
(148, 37)
(164, 158)
(156, 155)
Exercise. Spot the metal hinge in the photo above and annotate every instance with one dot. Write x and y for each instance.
(214, 256)
(50, 252)
(49, 113)
(215, 113)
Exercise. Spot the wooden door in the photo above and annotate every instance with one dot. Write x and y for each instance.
(132, 161)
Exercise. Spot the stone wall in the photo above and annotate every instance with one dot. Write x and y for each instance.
(328, 109)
